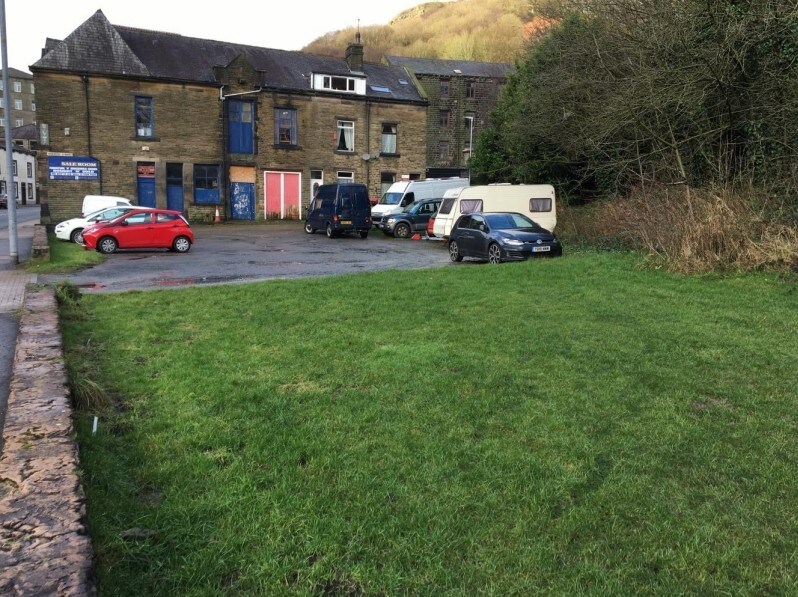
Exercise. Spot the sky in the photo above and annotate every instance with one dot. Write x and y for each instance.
(289, 27)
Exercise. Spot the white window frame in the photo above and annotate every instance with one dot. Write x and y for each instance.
(18, 104)
(17, 87)
(345, 176)
(341, 128)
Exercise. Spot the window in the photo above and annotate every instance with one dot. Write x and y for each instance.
(18, 104)
(444, 118)
(1, 85)
(444, 87)
(285, 126)
(18, 86)
(471, 90)
(33, 106)
(138, 219)
(240, 134)
(540, 204)
(30, 190)
(468, 206)
(15, 167)
(388, 144)
(30, 169)
(32, 88)
(346, 135)
(2, 103)
(338, 83)
(144, 117)
(386, 180)
(443, 150)
(206, 183)
(345, 176)
(166, 217)
(18, 122)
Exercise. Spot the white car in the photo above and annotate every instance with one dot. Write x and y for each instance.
(73, 229)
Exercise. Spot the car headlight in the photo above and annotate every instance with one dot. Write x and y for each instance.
(391, 220)
(513, 242)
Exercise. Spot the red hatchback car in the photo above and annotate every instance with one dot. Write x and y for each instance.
(141, 229)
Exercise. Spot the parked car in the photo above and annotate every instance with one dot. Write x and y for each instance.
(141, 228)
(338, 208)
(498, 237)
(413, 219)
(402, 194)
(72, 229)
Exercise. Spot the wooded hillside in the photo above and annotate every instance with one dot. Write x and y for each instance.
(486, 30)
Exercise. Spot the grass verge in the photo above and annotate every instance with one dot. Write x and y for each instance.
(65, 257)
(567, 426)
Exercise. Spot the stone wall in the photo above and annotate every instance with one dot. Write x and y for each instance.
(44, 544)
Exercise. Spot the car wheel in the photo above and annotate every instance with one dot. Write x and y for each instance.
(309, 229)
(364, 234)
(401, 231)
(454, 251)
(77, 236)
(494, 253)
(107, 245)
(330, 231)
(181, 244)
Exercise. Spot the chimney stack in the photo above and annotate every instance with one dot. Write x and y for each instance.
(354, 55)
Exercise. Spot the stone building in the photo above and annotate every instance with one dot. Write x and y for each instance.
(200, 125)
(461, 95)
(23, 163)
(22, 95)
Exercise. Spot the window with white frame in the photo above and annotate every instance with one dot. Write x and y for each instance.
(346, 135)
(30, 170)
(285, 126)
(33, 106)
(18, 104)
(338, 83)
(389, 134)
(345, 176)
(2, 103)
(18, 86)
(19, 122)
(32, 88)
(15, 167)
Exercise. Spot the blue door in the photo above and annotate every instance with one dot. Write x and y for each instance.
(174, 187)
(146, 183)
(242, 201)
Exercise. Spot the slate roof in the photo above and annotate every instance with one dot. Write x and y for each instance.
(26, 131)
(17, 74)
(443, 68)
(98, 47)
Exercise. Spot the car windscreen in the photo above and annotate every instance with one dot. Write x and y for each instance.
(391, 199)
(510, 221)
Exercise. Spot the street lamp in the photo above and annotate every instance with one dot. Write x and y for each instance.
(11, 198)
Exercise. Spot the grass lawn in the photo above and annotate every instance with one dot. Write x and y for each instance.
(64, 257)
(566, 426)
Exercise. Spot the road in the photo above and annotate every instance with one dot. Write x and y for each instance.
(243, 252)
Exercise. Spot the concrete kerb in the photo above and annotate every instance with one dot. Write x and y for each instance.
(45, 548)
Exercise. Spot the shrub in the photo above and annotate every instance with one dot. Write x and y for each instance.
(689, 230)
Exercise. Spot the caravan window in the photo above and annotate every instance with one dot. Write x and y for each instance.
(468, 206)
(446, 206)
(540, 204)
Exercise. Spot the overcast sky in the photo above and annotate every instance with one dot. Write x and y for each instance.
(286, 26)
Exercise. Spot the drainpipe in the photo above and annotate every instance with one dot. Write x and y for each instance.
(368, 143)
(85, 80)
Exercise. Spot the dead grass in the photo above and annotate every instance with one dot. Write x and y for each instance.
(691, 231)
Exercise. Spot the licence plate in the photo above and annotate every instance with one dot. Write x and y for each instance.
(541, 249)
(345, 222)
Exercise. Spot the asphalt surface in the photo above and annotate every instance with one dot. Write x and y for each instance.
(231, 253)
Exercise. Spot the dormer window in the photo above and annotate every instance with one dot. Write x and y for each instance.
(339, 84)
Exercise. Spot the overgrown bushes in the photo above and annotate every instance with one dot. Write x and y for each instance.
(689, 230)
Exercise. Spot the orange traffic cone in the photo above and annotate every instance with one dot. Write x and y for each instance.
(217, 218)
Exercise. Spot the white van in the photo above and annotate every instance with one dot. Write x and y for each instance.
(536, 201)
(92, 203)
(401, 194)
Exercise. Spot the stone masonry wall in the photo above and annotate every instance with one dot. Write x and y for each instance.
(44, 545)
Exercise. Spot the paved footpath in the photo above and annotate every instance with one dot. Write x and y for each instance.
(12, 288)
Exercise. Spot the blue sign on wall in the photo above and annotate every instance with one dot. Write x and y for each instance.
(73, 168)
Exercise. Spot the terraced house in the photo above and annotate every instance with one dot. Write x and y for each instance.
(199, 125)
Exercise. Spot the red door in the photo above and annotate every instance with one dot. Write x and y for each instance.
(283, 195)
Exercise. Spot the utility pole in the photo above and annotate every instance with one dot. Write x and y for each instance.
(11, 196)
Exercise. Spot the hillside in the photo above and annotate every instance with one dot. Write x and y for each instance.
(487, 30)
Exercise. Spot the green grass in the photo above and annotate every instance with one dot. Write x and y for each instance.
(566, 426)
(65, 257)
